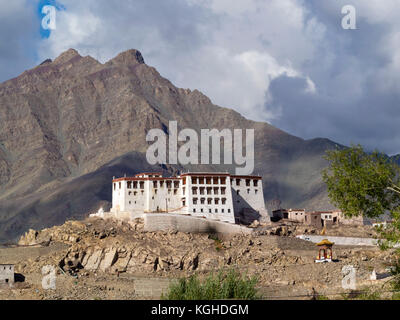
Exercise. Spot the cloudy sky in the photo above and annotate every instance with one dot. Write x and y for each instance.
(287, 62)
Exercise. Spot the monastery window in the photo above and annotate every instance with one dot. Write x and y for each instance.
(223, 201)
(176, 184)
(175, 191)
(201, 210)
(129, 193)
(161, 184)
(208, 180)
(194, 190)
(256, 191)
(120, 185)
(201, 180)
(134, 184)
(223, 190)
(237, 192)
(129, 184)
(141, 184)
(202, 201)
(248, 191)
(142, 192)
(169, 184)
(201, 190)
(154, 184)
(195, 200)
(229, 210)
(238, 182)
(130, 202)
(115, 185)
(216, 190)
(152, 198)
(209, 191)
(169, 191)
(209, 201)
(247, 182)
(194, 210)
(216, 210)
(183, 190)
(135, 193)
(183, 203)
(184, 181)
(216, 200)
(155, 191)
(215, 180)
(255, 183)
(222, 210)
(223, 180)
(209, 211)
(194, 180)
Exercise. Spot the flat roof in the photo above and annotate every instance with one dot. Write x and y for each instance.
(148, 173)
(212, 174)
(145, 179)
(189, 174)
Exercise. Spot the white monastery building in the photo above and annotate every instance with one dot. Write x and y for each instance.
(218, 196)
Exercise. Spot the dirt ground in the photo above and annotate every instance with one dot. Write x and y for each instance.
(284, 265)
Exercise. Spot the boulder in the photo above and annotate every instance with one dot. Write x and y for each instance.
(110, 257)
(93, 261)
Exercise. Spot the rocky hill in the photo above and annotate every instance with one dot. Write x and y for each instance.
(68, 126)
(110, 259)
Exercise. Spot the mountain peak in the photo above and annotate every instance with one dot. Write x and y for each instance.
(128, 57)
(67, 55)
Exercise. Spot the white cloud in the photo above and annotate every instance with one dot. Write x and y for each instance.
(234, 51)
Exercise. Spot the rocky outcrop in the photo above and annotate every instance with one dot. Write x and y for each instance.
(126, 247)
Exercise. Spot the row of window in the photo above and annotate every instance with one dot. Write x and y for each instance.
(175, 184)
(168, 183)
(208, 180)
(248, 191)
(237, 182)
(208, 190)
(209, 201)
(135, 193)
(211, 211)
(215, 180)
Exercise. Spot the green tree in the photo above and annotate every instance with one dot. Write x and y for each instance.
(362, 184)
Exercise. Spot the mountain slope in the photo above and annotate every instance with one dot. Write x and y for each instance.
(68, 126)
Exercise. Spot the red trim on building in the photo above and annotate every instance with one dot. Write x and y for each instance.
(197, 175)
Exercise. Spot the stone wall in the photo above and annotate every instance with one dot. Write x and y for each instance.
(163, 222)
(341, 240)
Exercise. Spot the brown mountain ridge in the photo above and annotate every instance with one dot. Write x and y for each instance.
(68, 126)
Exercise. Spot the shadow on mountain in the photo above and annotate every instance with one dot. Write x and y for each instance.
(74, 199)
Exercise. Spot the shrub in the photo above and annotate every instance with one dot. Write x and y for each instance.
(229, 285)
